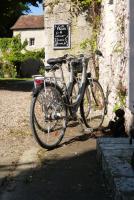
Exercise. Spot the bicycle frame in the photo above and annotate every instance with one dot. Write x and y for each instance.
(69, 87)
(74, 108)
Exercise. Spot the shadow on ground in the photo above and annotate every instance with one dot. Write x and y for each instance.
(58, 178)
(16, 85)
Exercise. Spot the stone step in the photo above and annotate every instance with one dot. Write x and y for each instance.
(114, 156)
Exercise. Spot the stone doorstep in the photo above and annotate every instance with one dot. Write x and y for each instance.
(124, 188)
(111, 140)
(114, 155)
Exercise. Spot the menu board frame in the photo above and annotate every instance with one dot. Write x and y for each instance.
(61, 36)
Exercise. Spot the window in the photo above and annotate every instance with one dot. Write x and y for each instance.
(31, 41)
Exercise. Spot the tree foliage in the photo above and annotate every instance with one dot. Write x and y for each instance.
(13, 53)
(10, 10)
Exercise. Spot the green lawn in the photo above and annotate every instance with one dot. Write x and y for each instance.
(16, 79)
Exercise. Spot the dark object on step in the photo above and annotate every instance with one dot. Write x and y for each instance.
(131, 133)
(117, 127)
(132, 161)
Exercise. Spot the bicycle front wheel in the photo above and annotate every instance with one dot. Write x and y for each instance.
(93, 105)
(48, 116)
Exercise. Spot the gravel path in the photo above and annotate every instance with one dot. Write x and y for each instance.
(68, 172)
(15, 133)
(14, 111)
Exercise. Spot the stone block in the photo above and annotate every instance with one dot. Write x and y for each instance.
(124, 188)
(114, 155)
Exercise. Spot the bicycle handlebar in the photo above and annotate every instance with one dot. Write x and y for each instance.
(69, 57)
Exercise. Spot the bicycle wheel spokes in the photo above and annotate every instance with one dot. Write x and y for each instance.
(49, 117)
(41, 108)
(87, 103)
(52, 133)
(74, 95)
(93, 105)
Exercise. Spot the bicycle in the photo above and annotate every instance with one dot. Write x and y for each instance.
(53, 105)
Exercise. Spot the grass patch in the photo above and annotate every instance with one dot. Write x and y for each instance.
(16, 84)
(16, 79)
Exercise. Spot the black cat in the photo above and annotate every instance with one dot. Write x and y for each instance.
(117, 126)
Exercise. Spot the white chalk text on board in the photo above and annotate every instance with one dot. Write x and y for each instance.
(61, 36)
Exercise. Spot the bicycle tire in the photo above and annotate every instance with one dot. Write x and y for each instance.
(45, 104)
(36, 121)
(93, 106)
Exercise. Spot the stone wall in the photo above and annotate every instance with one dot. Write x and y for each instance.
(113, 42)
(62, 12)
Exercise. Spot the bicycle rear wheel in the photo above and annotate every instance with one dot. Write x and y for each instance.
(93, 106)
(48, 116)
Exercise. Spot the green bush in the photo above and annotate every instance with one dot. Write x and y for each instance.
(1, 70)
(7, 70)
(13, 53)
(42, 70)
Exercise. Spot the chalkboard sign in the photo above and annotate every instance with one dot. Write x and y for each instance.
(61, 36)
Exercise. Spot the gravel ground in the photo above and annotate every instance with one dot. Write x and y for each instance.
(14, 111)
(15, 133)
(68, 172)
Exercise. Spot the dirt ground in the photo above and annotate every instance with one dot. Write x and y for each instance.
(28, 172)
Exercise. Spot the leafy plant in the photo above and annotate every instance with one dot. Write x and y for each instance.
(91, 46)
(14, 52)
(121, 97)
(1, 70)
(42, 70)
(118, 48)
(7, 70)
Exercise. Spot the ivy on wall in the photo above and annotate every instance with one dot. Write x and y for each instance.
(119, 51)
(94, 16)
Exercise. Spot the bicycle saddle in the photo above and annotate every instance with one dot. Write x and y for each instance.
(59, 60)
(51, 67)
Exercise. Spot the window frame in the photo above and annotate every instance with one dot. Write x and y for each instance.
(31, 41)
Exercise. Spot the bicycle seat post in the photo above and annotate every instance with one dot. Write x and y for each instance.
(84, 71)
(62, 77)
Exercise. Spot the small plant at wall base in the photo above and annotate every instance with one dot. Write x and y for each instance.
(118, 48)
(121, 97)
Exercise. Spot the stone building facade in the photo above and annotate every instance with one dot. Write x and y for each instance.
(114, 69)
(112, 41)
(60, 13)
(30, 28)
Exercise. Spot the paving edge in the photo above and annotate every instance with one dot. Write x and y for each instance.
(113, 156)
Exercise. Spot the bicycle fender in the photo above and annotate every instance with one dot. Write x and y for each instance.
(36, 91)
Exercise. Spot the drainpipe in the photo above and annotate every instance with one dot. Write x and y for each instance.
(130, 34)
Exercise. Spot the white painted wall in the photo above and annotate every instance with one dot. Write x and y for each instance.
(131, 55)
(113, 43)
(38, 34)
